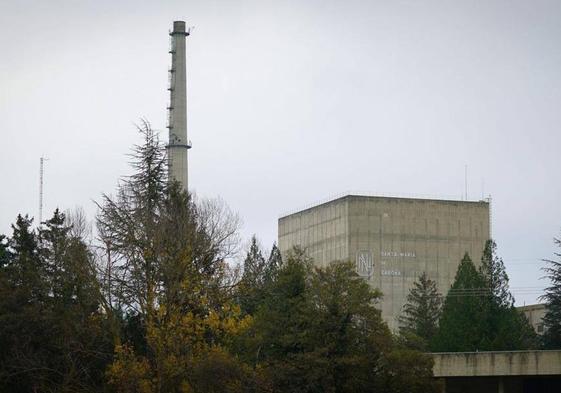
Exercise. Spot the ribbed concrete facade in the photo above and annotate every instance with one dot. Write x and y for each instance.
(508, 371)
(505, 363)
(535, 314)
(391, 240)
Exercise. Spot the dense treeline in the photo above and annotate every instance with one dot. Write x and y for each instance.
(151, 305)
(53, 333)
(318, 330)
(477, 314)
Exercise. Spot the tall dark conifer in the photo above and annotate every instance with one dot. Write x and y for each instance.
(26, 268)
(464, 314)
(5, 254)
(250, 291)
(478, 312)
(421, 311)
(274, 263)
(254, 264)
(53, 247)
(51, 330)
(493, 270)
(507, 328)
(24, 305)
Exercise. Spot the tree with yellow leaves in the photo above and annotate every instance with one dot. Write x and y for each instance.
(169, 271)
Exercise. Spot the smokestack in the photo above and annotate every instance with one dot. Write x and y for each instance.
(177, 121)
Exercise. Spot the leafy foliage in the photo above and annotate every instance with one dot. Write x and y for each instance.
(318, 330)
(168, 277)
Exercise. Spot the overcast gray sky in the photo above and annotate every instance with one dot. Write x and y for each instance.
(291, 102)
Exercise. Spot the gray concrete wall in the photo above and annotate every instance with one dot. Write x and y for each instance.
(323, 231)
(535, 314)
(409, 236)
(487, 364)
(391, 240)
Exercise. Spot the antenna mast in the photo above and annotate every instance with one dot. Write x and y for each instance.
(41, 172)
(466, 182)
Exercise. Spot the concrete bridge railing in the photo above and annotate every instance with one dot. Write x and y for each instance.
(488, 364)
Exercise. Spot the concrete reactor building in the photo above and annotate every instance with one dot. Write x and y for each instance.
(392, 240)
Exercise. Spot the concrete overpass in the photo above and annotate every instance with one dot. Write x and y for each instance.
(502, 372)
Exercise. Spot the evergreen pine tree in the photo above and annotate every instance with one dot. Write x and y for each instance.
(26, 269)
(493, 270)
(462, 326)
(552, 297)
(421, 311)
(24, 335)
(53, 245)
(51, 330)
(82, 349)
(274, 263)
(254, 264)
(282, 316)
(251, 287)
(70, 267)
(5, 254)
(478, 312)
(508, 329)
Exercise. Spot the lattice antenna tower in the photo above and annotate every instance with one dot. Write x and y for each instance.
(490, 201)
(41, 182)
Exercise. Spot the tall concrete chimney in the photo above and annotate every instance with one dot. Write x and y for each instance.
(177, 122)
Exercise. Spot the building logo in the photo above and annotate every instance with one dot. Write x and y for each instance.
(364, 265)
